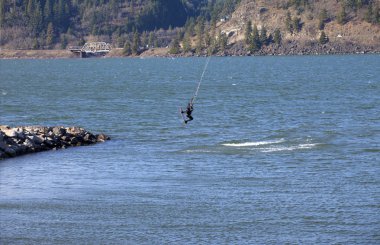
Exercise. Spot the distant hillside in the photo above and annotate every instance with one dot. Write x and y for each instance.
(194, 27)
(348, 25)
(46, 24)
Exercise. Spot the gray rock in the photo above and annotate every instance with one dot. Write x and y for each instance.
(59, 131)
(21, 140)
(11, 152)
(10, 132)
(21, 135)
(3, 127)
(3, 146)
(90, 138)
(2, 155)
(74, 141)
(29, 143)
(36, 139)
(74, 130)
(102, 138)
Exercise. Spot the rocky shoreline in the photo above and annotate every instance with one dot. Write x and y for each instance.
(237, 49)
(17, 141)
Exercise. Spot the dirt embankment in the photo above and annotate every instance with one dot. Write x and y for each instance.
(35, 54)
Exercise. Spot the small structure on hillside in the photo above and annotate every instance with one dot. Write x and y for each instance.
(92, 49)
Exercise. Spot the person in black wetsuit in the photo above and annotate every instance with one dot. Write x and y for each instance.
(189, 110)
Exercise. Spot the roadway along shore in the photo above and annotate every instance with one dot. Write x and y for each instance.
(289, 48)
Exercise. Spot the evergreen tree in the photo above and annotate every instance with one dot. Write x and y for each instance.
(372, 15)
(342, 16)
(63, 41)
(255, 43)
(277, 37)
(151, 39)
(213, 47)
(186, 43)
(174, 46)
(114, 6)
(50, 35)
(35, 45)
(144, 39)
(322, 19)
(323, 39)
(48, 12)
(376, 15)
(36, 19)
(120, 42)
(222, 41)
(199, 29)
(207, 39)
(288, 23)
(127, 48)
(81, 41)
(136, 43)
(30, 7)
(248, 32)
(190, 26)
(263, 36)
(2, 12)
(369, 14)
(297, 26)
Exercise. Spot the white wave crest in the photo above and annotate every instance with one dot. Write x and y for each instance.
(288, 148)
(255, 143)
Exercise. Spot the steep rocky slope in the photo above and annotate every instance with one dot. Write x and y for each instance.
(355, 35)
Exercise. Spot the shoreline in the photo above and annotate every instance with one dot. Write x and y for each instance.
(9, 54)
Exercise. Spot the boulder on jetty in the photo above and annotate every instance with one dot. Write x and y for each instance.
(16, 141)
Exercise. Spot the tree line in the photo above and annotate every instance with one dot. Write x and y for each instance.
(135, 25)
(48, 23)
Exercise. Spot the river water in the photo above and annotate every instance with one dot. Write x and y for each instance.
(281, 150)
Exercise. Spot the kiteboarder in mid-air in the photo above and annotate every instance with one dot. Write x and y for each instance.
(186, 115)
(189, 110)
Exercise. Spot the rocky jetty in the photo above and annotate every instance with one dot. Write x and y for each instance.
(16, 141)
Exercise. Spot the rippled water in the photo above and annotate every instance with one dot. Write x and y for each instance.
(281, 150)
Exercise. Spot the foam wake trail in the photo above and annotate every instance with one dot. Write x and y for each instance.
(254, 143)
(288, 148)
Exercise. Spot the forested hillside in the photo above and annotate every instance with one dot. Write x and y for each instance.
(42, 24)
(191, 27)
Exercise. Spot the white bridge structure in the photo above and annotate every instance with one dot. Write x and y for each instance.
(92, 49)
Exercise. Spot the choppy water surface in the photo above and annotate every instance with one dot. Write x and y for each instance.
(282, 149)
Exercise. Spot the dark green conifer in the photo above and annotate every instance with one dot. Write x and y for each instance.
(248, 32)
(289, 23)
(2, 12)
(263, 36)
(323, 39)
(222, 41)
(277, 37)
(322, 19)
(342, 16)
(174, 46)
(151, 40)
(63, 41)
(368, 15)
(48, 12)
(127, 48)
(186, 43)
(255, 43)
(30, 7)
(136, 43)
(297, 26)
(50, 35)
